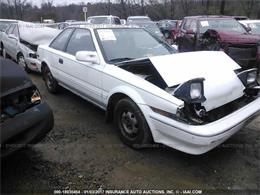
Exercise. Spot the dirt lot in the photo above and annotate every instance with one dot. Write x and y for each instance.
(83, 152)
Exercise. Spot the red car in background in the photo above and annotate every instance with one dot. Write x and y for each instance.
(220, 33)
(169, 28)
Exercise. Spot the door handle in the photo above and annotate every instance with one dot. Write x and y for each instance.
(60, 61)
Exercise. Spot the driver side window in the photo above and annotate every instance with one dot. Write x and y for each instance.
(193, 25)
(81, 40)
(61, 40)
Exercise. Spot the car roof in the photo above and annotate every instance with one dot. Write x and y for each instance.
(209, 17)
(249, 21)
(101, 16)
(101, 26)
(138, 17)
(8, 20)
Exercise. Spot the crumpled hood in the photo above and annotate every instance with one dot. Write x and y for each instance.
(36, 34)
(12, 78)
(221, 84)
(236, 38)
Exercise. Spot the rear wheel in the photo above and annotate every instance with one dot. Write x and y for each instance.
(21, 62)
(50, 82)
(132, 126)
(5, 55)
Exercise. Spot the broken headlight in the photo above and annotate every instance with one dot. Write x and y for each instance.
(36, 97)
(248, 77)
(18, 102)
(191, 91)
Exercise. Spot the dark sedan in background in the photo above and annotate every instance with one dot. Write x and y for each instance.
(25, 117)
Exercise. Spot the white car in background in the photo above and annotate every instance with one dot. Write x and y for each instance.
(189, 101)
(104, 20)
(134, 19)
(4, 23)
(20, 42)
(254, 25)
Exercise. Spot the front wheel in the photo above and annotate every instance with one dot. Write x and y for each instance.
(50, 82)
(21, 62)
(132, 126)
(5, 55)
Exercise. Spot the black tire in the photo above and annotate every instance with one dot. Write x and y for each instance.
(50, 82)
(5, 55)
(1, 52)
(132, 127)
(21, 62)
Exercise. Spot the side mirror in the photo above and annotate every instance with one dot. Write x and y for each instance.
(190, 32)
(87, 56)
(12, 36)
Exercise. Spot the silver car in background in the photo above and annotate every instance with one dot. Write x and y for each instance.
(20, 42)
(4, 23)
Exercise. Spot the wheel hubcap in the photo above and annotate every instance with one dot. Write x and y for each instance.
(129, 124)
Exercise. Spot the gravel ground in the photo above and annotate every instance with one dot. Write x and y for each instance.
(82, 152)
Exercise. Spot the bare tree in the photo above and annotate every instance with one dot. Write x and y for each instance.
(185, 4)
(248, 6)
(222, 7)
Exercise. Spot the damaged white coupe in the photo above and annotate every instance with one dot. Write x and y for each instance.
(20, 41)
(191, 101)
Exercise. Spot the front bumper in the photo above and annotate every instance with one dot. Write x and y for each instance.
(202, 138)
(26, 128)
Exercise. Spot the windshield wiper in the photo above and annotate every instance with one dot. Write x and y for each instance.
(120, 59)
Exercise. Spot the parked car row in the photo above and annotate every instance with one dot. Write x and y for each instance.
(150, 91)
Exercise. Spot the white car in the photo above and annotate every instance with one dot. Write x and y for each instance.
(4, 23)
(189, 101)
(104, 20)
(134, 19)
(20, 41)
(252, 25)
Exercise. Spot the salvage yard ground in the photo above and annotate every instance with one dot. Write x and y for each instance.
(83, 152)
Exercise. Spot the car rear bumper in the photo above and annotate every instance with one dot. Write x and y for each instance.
(202, 138)
(26, 128)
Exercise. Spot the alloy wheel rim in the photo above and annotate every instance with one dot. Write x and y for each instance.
(129, 124)
(49, 80)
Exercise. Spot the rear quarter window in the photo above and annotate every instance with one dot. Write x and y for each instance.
(60, 42)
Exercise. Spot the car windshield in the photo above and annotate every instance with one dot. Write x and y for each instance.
(121, 44)
(4, 25)
(151, 27)
(255, 27)
(230, 25)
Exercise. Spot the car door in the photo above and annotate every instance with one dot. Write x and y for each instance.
(189, 35)
(56, 53)
(6, 39)
(83, 77)
(13, 40)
